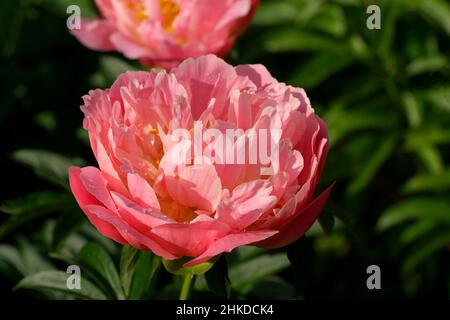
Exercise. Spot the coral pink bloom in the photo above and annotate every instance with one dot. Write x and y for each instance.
(139, 196)
(165, 32)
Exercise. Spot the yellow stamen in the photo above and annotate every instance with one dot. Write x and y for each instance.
(176, 211)
(138, 9)
(169, 10)
(154, 132)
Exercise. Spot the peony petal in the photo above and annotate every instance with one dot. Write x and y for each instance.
(130, 49)
(95, 184)
(197, 186)
(95, 34)
(256, 73)
(106, 8)
(85, 199)
(192, 238)
(299, 224)
(132, 236)
(142, 192)
(229, 242)
(137, 216)
(201, 75)
(239, 9)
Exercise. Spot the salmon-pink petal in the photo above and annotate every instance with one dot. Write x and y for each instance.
(228, 212)
(132, 236)
(230, 242)
(129, 48)
(299, 224)
(192, 238)
(85, 199)
(238, 9)
(82, 196)
(106, 8)
(103, 226)
(95, 34)
(94, 182)
(256, 73)
(201, 75)
(197, 186)
(141, 191)
(139, 217)
(246, 204)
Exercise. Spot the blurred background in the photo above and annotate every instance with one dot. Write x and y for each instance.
(385, 95)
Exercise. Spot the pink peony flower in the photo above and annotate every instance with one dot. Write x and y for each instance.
(165, 32)
(144, 196)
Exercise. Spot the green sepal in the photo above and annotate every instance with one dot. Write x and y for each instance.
(176, 266)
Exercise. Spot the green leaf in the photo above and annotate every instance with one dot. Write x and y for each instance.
(426, 250)
(428, 183)
(97, 259)
(417, 231)
(273, 288)
(426, 64)
(145, 276)
(31, 208)
(11, 255)
(66, 224)
(330, 19)
(244, 276)
(57, 280)
(415, 208)
(426, 136)
(32, 259)
(88, 231)
(288, 39)
(289, 12)
(245, 253)
(389, 17)
(342, 122)
(380, 155)
(47, 165)
(412, 108)
(312, 73)
(61, 257)
(128, 260)
(40, 201)
(431, 158)
(275, 12)
(439, 97)
(438, 11)
(217, 278)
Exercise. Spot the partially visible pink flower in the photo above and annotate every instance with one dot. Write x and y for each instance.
(165, 32)
(141, 197)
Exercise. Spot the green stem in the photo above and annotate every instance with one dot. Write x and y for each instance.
(188, 284)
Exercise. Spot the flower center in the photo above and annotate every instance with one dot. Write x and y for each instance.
(169, 10)
(176, 211)
(138, 9)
